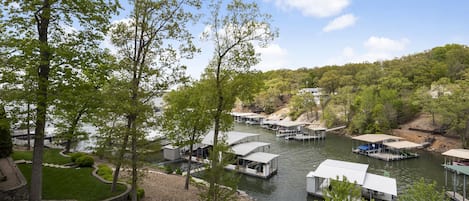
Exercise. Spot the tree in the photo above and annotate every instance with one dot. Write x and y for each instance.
(344, 98)
(329, 81)
(6, 146)
(186, 119)
(150, 63)
(342, 190)
(233, 31)
(303, 102)
(423, 191)
(38, 31)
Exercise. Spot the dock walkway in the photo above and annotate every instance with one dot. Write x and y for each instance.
(455, 196)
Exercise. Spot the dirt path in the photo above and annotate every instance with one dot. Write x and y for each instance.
(441, 143)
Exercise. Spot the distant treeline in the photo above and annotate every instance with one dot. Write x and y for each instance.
(376, 97)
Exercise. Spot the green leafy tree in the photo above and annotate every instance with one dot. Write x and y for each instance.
(342, 190)
(228, 185)
(303, 103)
(40, 32)
(6, 146)
(423, 191)
(186, 119)
(233, 31)
(150, 63)
(344, 98)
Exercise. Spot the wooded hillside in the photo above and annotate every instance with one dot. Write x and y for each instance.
(376, 97)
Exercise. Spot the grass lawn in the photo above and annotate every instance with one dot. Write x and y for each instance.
(71, 184)
(50, 156)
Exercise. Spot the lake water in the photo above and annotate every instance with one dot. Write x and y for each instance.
(298, 158)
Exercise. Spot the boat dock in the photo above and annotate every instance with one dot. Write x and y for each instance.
(385, 147)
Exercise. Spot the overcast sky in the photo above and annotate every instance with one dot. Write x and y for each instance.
(314, 33)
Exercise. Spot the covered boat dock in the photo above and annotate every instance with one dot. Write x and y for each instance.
(457, 157)
(457, 171)
(384, 147)
(372, 186)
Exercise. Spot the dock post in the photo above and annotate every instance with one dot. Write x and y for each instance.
(464, 188)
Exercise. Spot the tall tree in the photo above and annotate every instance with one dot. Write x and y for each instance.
(233, 30)
(40, 30)
(150, 63)
(343, 190)
(186, 119)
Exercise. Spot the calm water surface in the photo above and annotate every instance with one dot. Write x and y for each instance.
(298, 158)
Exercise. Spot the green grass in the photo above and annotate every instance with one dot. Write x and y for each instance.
(71, 184)
(50, 156)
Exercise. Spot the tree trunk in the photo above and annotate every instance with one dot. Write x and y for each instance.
(28, 129)
(120, 158)
(134, 161)
(466, 135)
(189, 163)
(214, 162)
(42, 19)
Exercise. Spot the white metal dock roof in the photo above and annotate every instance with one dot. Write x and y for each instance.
(458, 153)
(231, 137)
(243, 114)
(244, 149)
(373, 138)
(330, 169)
(290, 123)
(402, 145)
(380, 183)
(261, 157)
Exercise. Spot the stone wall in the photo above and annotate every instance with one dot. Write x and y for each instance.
(17, 192)
(123, 196)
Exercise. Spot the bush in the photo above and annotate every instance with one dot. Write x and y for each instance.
(168, 169)
(85, 161)
(105, 172)
(76, 155)
(140, 193)
(178, 171)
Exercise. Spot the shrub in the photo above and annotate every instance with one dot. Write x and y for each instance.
(85, 161)
(168, 169)
(105, 172)
(140, 193)
(178, 171)
(76, 155)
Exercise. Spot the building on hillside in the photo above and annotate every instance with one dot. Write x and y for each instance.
(316, 92)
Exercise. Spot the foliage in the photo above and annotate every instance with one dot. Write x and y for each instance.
(51, 156)
(233, 30)
(303, 103)
(75, 156)
(140, 193)
(228, 185)
(168, 169)
(423, 191)
(6, 146)
(105, 172)
(83, 186)
(150, 46)
(85, 161)
(178, 171)
(342, 190)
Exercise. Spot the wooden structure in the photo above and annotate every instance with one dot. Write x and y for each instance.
(384, 147)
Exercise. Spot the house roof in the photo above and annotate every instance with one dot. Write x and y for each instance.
(355, 172)
(380, 183)
(373, 138)
(261, 157)
(232, 137)
(402, 145)
(458, 153)
(244, 149)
